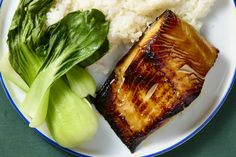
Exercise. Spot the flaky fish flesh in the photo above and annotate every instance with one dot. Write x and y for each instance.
(160, 76)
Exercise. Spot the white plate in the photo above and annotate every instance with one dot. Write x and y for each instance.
(219, 28)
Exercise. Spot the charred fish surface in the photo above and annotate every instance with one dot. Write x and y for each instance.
(160, 76)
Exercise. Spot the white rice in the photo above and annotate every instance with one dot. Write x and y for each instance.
(129, 18)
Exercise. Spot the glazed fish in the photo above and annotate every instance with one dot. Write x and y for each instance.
(160, 76)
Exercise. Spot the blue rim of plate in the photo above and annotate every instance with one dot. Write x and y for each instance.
(150, 155)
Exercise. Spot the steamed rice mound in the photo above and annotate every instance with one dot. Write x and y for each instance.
(129, 18)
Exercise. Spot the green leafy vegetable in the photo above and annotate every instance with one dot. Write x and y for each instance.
(81, 82)
(70, 124)
(27, 28)
(41, 55)
(72, 40)
(96, 56)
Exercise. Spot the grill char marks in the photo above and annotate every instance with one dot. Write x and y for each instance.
(161, 75)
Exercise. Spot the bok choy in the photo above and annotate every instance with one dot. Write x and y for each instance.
(72, 40)
(41, 55)
(70, 109)
(84, 85)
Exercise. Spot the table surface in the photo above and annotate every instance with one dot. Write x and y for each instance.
(217, 139)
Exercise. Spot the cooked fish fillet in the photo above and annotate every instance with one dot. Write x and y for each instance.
(161, 75)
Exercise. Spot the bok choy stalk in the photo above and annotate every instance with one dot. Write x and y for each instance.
(24, 37)
(70, 109)
(10, 74)
(31, 45)
(81, 82)
(72, 40)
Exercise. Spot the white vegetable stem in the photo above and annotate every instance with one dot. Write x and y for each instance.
(9, 73)
(35, 104)
(81, 82)
(70, 119)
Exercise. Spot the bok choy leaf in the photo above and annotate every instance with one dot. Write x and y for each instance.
(27, 28)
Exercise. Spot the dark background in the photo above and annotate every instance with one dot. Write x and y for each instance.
(217, 139)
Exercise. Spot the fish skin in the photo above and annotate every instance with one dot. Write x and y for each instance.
(160, 76)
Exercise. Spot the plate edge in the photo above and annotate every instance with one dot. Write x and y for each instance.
(212, 115)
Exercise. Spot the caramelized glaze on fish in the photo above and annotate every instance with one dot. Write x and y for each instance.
(161, 75)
